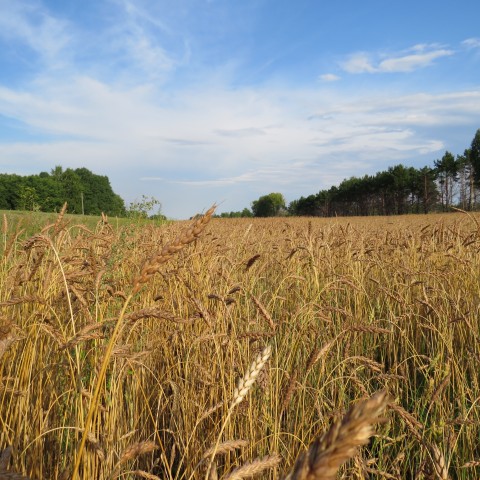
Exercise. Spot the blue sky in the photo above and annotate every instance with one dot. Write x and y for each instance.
(203, 101)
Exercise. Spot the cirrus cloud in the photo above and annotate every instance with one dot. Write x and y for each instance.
(471, 43)
(419, 56)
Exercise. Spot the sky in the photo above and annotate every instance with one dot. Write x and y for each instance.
(196, 102)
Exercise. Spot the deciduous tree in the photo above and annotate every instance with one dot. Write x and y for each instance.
(269, 205)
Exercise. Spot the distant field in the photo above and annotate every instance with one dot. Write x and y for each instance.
(129, 354)
(32, 222)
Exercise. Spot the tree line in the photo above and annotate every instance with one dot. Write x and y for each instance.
(451, 181)
(85, 192)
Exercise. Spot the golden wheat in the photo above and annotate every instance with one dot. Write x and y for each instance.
(349, 306)
(325, 456)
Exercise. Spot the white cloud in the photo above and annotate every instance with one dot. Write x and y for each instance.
(224, 143)
(214, 133)
(471, 43)
(412, 62)
(151, 58)
(36, 28)
(329, 77)
(358, 63)
(422, 56)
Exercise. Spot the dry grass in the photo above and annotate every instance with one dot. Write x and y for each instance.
(224, 348)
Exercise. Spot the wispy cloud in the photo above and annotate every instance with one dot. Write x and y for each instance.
(142, 38)
(419, 56)
(32, 25)
(329, 77)
(283, 175)
(130, 46)
(471, 43)
(358, 63)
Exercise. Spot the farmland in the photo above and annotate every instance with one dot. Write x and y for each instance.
(180, 351)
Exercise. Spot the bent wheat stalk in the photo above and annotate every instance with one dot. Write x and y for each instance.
(150, 267)
(153, 264)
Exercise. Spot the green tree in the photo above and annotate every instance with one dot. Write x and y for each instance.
(49, 196)
(10, 187)
(81, 189)
(475, 156)
(466, 178)
(305, 206)
(270, 205)
(447, 170)
(97, 194)
(72, 190)
(425, 189)
(28, 198)
(142, 208)
(57, 172)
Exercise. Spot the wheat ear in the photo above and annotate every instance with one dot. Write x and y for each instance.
(240, 393)
(132, 452)
(8, 335)
(438, 461)
(254, 468)
(225, 447)
(326, 454)
(248, 380)
(153, 264)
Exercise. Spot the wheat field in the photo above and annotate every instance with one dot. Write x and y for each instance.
(236, 348)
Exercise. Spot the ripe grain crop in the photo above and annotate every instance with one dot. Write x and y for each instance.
(239, 348)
